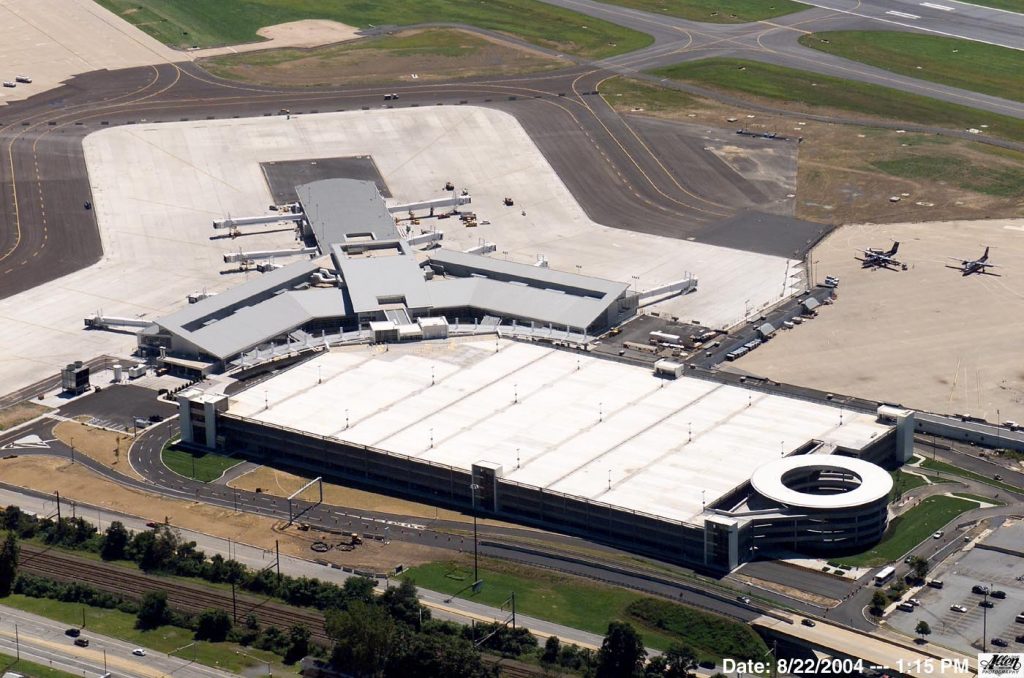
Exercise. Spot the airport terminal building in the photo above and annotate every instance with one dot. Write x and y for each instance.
(368, 281)
(685, 469)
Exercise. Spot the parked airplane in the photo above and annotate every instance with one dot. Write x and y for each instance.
(878, 258)
(968, 267)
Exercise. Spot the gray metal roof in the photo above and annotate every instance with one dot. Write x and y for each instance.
(374, 281)
(340, 209)
(463, 264)
(257, 324)
(193, 316)
(513, 300)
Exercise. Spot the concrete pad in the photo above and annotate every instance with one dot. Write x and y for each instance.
(927, 337)
(157, 188)
(52, 40)
(567, 422)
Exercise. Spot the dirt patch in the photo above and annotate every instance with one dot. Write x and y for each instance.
(19, 414)
(409, 56)
(305, 33)
(812, 598)
(106, 447)
(281, 484)
(75, 482)
(836, 182)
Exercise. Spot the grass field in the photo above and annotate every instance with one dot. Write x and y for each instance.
(904, 482)
(198, 465)
(184, 23)
(1002, 182)
(434, 53)
(950, 61)
(9, 664)
(20, 413)
(910, 529)
(943, 467)
(640, 95)
(811, 91)
(164, 639)
(588, 606)
(716, 11)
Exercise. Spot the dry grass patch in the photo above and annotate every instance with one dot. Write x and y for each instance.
(19, 414)
(106, 447)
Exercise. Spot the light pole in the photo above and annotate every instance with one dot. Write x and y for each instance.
(476, 556)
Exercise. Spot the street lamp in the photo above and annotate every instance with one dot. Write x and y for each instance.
(476, 558)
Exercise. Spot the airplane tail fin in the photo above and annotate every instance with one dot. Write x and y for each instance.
(895, 246)
(984, 257)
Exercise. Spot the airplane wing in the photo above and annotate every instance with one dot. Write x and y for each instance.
(987, 265)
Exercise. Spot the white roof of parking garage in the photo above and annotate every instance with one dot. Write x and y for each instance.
(567, 422)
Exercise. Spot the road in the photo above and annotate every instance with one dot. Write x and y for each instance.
(43, 641)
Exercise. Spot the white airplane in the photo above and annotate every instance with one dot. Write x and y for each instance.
(969, 266)
(878, 258)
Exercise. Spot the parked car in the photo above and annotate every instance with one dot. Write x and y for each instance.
(980, 589)
(986, 603)
(998, 594)
(1000, 642)
(958, 608)
(1020, 638)
(914, 601)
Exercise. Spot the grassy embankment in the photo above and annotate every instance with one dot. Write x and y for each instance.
(187, 23)
(588, 606)
(966, 64)
(910, 529)
(943, 467)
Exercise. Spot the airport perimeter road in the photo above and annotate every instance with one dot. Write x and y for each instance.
(43, 641)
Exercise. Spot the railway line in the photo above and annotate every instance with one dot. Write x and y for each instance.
(182, 597)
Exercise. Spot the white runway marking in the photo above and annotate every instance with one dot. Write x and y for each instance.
(934, 6)
(903, 15)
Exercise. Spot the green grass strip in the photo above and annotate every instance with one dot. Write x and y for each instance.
(204, 467)
(826, 92)
(966, 64)
(184, 23)
(716, 11)
(910, 529)
(9, 664)
(589, 606)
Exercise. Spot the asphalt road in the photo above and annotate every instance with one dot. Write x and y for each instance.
(43, 641)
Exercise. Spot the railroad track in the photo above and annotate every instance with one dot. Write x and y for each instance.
(190, 598)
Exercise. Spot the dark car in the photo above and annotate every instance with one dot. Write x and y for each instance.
(808, 622)
(82, 642)
(986, 603)
(73, 632)
(998, 594)
(1000, 642)
(155, 418)
(979, 589)
(1020, 638)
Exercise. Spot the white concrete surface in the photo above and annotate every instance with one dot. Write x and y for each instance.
(157, 188)
(52, 40)
(874, 482)
(567, 422)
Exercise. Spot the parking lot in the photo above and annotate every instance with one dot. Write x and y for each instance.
(964, 630)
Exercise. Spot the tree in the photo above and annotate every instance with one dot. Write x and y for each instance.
(11, 519)
(154, 549)
(8, 564)
(922, 629)
(681, 661)
(403, 604)
(878, 601)
(298, 644)
(622, 653)
(437, 656)
(213, 625)
(920, 566)
(551, 648)
(363, 635)
(153, 611)
(115, 540)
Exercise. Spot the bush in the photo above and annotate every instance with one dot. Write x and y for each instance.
(707, 633)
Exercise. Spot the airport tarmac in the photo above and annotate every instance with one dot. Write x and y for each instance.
(928, 337)
(157, 188)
